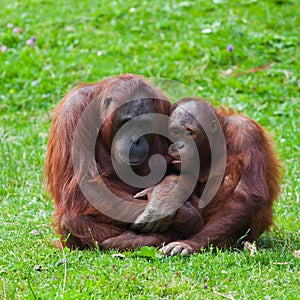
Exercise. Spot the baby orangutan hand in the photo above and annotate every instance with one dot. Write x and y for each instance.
(161, 209)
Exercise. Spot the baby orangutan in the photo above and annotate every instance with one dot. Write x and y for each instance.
(240, 208)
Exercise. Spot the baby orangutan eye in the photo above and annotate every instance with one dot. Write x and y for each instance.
(189, 134)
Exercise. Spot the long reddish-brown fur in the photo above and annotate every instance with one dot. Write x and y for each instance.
(76, 220)
(242, 208)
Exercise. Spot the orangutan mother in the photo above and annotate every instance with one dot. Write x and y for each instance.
(83, 143)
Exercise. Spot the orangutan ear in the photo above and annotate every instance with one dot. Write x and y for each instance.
(107, 102)
(213, 126)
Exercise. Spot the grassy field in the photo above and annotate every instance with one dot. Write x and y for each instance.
(186, 41)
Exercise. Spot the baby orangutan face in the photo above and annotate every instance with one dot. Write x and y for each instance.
(186, 132)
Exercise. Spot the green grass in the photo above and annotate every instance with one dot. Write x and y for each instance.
(157, 39)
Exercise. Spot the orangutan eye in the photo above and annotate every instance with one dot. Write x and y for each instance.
(175, 132)
(189, 134)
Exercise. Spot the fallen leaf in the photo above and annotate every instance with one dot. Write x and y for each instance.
(297, 253)
(250, 247)
(206, 30)
(70, 28)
